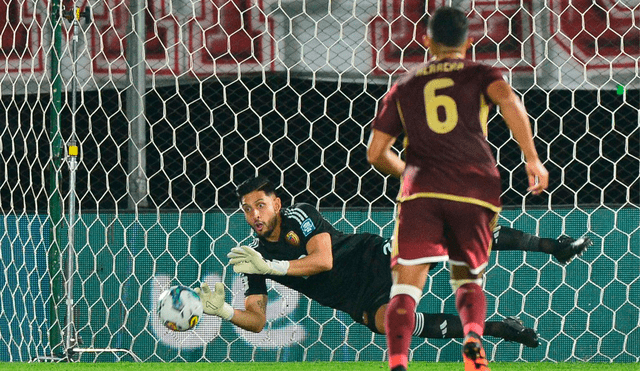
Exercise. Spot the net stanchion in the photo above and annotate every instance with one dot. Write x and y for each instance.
(72, 342)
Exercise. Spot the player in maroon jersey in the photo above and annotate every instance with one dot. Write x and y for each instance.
(450, 187)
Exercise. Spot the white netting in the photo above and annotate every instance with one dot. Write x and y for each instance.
(178, 101)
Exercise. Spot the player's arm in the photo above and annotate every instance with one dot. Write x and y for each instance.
(517, 120)
(319, 257)
(381, 156)
(254, 317)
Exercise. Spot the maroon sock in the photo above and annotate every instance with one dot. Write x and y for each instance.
(471, 304)
(399, 323)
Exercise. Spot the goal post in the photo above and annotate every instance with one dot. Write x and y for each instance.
(175, 109)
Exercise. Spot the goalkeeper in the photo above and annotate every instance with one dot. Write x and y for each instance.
(298, 248)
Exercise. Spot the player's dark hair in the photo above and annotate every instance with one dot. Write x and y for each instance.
(449, 26)
(258, 183)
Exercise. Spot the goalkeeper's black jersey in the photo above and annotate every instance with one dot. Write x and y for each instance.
(360, 276)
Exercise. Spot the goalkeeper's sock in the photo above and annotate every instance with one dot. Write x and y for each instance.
(449, 326)
(548, 245)
(438, 326)
(497, 329)
(505, 238)
(399, 323)
(471, 304)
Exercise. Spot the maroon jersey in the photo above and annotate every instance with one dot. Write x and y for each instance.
(442, 107)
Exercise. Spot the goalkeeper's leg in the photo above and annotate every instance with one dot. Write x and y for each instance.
(449, 326)
(564, 249)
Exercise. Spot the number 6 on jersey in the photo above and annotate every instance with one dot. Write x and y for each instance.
(433, 102)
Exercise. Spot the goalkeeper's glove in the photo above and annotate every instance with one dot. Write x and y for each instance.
(213, 302)
(249, 261)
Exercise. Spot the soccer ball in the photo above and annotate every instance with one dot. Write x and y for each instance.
(179, 308)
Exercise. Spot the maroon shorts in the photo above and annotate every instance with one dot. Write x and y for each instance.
(431, 230)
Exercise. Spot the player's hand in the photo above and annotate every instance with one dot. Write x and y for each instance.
(213, 302)
(538, 176)
(249, 261)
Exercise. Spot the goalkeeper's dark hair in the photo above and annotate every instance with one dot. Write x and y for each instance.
(258, 183)
(448, 26)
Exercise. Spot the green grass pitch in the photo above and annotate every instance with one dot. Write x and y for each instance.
(310, 366)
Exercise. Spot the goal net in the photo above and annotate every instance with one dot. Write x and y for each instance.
(173, 103)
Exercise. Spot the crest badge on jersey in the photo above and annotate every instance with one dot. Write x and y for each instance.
(292, 238)
(307, 227)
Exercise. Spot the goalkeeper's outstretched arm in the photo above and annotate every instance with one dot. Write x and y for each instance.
(252, 318)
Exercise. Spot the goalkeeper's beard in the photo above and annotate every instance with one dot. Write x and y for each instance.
(267, 229)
